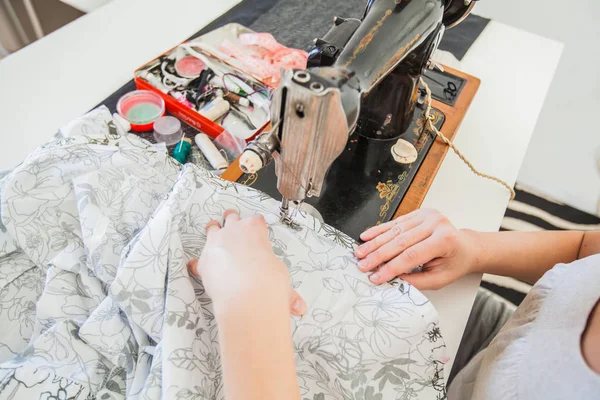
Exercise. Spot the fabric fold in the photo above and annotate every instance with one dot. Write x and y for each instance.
(107, 225)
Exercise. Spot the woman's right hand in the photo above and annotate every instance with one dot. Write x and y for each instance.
(423, 237)
(252, 299)
(238, 265)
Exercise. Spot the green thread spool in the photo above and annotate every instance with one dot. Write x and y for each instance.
(182, 150)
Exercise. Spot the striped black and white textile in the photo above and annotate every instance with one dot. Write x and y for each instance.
(531, 211)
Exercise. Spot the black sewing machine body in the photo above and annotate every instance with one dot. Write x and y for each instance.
(385, 54)
(374, 65)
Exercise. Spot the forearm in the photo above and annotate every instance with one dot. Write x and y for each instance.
(256, 350)
(525, 255)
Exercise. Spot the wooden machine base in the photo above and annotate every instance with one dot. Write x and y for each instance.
(454, 117)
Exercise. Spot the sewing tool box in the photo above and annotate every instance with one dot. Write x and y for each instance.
(234, 80)
(364, 186)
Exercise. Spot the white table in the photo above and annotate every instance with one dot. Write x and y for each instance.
(66, 73)
(63, 75)
(516, 69)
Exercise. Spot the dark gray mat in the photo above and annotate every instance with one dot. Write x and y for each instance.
(296, 23)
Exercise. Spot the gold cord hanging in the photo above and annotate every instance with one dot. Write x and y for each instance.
(429, 119)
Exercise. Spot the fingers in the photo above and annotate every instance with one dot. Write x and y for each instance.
(230, 216)
(375, 231)
(397, 229)
(395, 246)
(257, 225)
(413, 256)
(426, 280)
(297, 304)
(257, 220)
(212, 226)
(192, 266)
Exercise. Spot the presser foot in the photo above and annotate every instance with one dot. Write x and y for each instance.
(287, 220)
(285, 217)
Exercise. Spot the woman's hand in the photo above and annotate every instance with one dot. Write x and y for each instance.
(423, 237)
(238, 265)
(251, 294)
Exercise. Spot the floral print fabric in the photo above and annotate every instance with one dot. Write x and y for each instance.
(96, 301)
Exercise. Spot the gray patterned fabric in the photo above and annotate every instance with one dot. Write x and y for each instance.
(96, 301)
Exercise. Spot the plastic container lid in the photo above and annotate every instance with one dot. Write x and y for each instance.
(141, 108)
(189, 67)
(167, 129)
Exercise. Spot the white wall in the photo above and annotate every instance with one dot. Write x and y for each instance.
(562, 157)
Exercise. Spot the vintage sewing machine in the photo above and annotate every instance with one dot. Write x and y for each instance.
(335, 124)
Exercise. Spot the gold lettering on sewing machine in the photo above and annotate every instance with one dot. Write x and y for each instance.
(250, 180)
(395, 60)
(388, 191)
(364, 42)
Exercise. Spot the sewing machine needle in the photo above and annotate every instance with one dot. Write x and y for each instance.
(285, 209)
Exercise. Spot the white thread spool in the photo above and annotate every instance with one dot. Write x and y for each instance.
(210, 151)
(244, 102)
(215, 109)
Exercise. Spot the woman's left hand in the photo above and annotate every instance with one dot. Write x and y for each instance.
(423, 237)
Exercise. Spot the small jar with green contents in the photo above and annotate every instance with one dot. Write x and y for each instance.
(141, 108)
